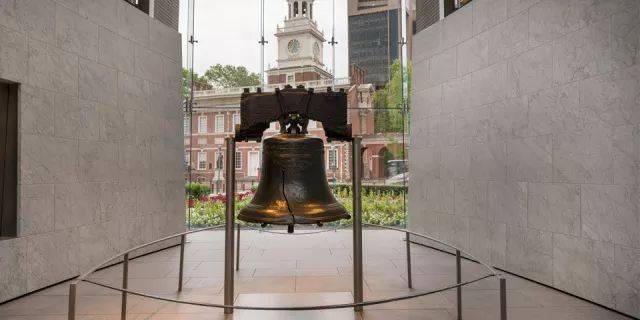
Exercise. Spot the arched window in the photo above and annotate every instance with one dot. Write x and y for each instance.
(304, 8)
(295, 9)
(310, 10)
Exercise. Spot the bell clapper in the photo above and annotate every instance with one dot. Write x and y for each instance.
(289, 228)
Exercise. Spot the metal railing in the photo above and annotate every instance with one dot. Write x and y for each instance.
(125, 291)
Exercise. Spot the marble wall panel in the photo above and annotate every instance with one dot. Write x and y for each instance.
(76, 34)
(471, 198)
(47, 160)
(98, 83)
(554, 207)
(458, 27)
(544, 150)
(613, 97)
(440, 66)
(507, 202)
(115, 51)
(515, 7)
(35, 18)
(76, 119)
(530, 72)
(508, 39)
(100, 12)
(13, 54)
(52, 68)
(84, 174)
(489, 161)
(489, 84)
(14, 253)
(456, 94)
(584, 266)
(584, 156)
(610, 215)
(530, 252)
(36, 114)
(164, 40)
(530, 159)
(473, 54)
(148, 64)
(488, 13)
(36, 209)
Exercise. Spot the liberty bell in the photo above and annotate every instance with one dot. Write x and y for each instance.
(293, 187)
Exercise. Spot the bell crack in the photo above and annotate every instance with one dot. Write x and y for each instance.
(284, 195)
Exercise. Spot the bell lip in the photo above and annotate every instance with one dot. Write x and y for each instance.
(289, 219)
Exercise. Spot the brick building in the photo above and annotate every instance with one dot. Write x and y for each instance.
(300, 62)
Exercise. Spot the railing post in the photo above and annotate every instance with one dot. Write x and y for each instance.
(409, 281)
(503, 299)
(125, 283)
(229, 222)
(356, 170)
(72, 301)
(459, 281)
(181, 274)
(238, 248)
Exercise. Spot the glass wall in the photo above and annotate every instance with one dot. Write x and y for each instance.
(269, 44)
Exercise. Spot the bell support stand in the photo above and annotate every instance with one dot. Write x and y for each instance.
(229, 224)
(356, 177)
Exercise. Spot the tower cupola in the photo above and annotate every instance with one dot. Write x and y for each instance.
(300, 9)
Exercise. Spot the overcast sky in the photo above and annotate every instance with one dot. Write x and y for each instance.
(228, 32)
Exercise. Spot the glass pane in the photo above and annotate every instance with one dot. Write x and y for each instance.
(363, 54)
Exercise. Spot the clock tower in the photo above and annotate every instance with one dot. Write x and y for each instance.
(300, 47)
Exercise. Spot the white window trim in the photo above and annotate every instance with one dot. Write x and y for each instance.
(217, 128)
(238, 160)
(235, 119)
(202, 157)
(202, 126)
(329, 167)
(186, 124)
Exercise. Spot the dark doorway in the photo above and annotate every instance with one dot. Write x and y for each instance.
(8, 159)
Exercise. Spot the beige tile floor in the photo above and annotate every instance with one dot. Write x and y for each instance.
(302, 270)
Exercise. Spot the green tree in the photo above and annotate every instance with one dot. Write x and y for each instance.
(391, 97)
(228, 76)
(199, 83)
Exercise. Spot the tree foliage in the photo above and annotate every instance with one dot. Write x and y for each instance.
(391, 97)
(219, 76)
(199, 83)
(228, 76)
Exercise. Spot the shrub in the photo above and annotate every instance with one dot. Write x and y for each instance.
(196, 190)
(382, 206)
(368, 188)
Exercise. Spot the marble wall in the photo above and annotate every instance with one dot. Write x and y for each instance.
(525, 146)
(100, 136)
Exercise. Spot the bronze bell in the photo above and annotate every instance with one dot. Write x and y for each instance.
(293, 187)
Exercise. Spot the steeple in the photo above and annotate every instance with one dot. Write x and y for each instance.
(300, 9)
(300, 47)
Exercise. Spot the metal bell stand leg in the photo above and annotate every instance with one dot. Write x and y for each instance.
(356, 172)
(229, 224)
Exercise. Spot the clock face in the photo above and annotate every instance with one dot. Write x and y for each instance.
(316, 49)
(293, 47)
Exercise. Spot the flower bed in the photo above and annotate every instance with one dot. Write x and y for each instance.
(382, 207)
